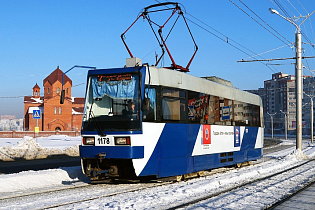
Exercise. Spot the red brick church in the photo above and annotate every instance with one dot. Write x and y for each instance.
(54, 116)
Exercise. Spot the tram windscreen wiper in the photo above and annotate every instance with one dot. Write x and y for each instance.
(98, 125)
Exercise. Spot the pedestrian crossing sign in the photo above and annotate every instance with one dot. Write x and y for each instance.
(36, 114)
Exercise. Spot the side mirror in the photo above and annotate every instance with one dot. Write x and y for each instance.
(146, 104)
(62, 96)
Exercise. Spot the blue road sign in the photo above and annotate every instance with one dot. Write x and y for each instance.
(36, 114)
(226, 113)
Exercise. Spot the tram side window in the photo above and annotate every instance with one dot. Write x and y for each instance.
(174, 105)
(215, 110)
(246, 114)
(149, 105)
(200, 108)
(225, 110)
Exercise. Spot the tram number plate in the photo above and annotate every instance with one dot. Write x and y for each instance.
(104, 141)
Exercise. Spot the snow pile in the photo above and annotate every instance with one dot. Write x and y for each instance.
(31, 180)
(27, 148)
(299, 155)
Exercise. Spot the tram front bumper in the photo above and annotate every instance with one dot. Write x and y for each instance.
(116, 152)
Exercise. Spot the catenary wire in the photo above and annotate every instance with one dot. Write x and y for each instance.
(286, 40)
(288, 16)
(294, 7)
(226, 39)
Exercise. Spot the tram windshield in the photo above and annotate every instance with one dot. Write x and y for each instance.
(112, 103)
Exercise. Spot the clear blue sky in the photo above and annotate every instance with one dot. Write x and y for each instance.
(36, 36)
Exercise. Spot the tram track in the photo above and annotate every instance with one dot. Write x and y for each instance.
(162, 183)
(112, 190)
(289, 196)
(91, 188)
(103, 196)
(16, 196)
(246, 184)
(92, 193)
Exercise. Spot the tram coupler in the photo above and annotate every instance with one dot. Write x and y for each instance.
(102, 155)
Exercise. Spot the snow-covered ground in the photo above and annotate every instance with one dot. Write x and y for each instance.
(159, 197)
(35, 148)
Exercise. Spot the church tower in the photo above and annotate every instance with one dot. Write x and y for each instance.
(36, 91)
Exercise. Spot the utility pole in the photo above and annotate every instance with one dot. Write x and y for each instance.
(298, 75)
(285, 124)
(271, 117)
(312, 116)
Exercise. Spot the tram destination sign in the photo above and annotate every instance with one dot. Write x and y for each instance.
(117, 77)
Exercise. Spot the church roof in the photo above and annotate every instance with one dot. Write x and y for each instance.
(36, 86)
(32, 100)
(78, 100)
(77, 110)
(57, 76)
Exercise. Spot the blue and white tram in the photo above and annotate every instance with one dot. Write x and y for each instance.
(148, 121)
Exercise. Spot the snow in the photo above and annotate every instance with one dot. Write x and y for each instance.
(30, 180)
(159, 197)
(29, 148)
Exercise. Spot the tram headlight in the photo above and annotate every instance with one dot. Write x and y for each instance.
(88, 140)
(122, 140)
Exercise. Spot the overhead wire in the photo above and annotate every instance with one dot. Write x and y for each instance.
(219, 35)
(304, 34)
(263, 22)
(288, 16)
(12, 97)
(294, 7)
(284, 11)
(281, 8)
(235, 44)
(226, 40)
(269, 51)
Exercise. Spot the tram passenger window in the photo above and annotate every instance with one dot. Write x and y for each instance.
(174, 105)
(149, 105)
(167, 92)
(174, 109)
(246, 114)
(200, 108)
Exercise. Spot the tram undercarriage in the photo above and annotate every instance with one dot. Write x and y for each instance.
(100, 168)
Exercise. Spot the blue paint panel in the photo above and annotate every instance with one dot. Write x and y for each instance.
(172, 166)
(116, 70)
(151, 168)
(249, 138)
(124, 152)
(203, 162)
(173, 152)
(240, 156)
(254, 154)
(173, 141)
(94, 133)
(176, 140)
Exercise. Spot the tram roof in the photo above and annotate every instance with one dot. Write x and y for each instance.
(181, 80)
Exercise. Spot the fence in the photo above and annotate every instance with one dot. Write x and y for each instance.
(21, 134)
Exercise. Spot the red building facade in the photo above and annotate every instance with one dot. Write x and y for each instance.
(54, 116)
